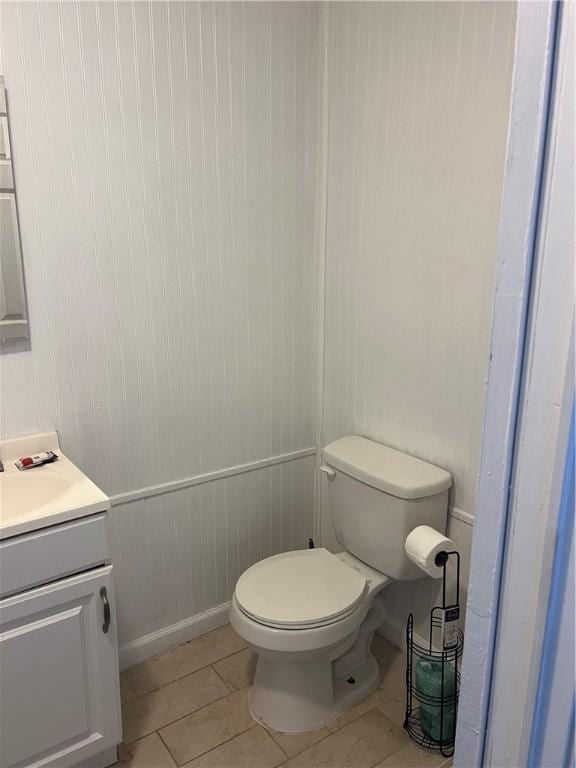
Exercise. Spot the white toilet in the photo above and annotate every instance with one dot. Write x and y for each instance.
(311, 615)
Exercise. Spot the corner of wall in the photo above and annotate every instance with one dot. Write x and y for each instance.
(322, 225)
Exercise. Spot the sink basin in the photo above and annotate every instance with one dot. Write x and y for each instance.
(46, 495)
(21, 493)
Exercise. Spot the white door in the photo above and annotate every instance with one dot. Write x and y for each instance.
(59, 690)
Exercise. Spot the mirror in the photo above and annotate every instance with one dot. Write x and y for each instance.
(13, 315)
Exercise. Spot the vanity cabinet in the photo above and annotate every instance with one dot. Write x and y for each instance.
(59, 680)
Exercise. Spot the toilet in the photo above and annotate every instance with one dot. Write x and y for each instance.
(310, 615)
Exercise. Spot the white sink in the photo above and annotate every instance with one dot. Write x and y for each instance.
(26, 491)
(46, 495)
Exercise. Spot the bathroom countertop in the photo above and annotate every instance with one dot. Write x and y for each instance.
(46, 495)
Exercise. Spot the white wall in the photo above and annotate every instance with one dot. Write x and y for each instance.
(418, 118)
(165, 159)
(180, 554)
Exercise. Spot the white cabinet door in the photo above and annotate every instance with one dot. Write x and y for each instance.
(59, 690)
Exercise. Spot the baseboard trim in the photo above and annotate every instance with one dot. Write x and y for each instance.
(391, 630)
(395, 632)
(462, 515)
(137, 651)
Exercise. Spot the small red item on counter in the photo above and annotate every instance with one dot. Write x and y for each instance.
(38, 460)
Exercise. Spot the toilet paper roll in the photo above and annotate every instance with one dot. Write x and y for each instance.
(423, 544)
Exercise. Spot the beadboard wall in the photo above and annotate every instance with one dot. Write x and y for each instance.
(166, 167)
(419, 104)
(178, 555)
(173, 179)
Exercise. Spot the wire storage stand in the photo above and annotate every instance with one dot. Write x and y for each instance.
(432, 673)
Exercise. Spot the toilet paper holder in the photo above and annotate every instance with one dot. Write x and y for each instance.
(432, 672)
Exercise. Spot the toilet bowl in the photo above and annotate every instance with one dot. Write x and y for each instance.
(310, 615)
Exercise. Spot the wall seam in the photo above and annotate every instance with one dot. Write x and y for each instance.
(322, 263)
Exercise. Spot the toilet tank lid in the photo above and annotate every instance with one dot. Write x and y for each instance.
(386, 469)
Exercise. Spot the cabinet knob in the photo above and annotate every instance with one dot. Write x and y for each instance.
(104, 596)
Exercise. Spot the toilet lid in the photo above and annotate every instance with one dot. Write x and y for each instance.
(301, 588)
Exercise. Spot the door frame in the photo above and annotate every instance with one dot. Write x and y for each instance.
(523, 196)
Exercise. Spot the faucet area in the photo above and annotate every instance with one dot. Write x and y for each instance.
(255, 410)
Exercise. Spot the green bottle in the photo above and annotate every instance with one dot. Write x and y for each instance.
(429, 684)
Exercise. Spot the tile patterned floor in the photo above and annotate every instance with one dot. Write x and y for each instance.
(189, 707)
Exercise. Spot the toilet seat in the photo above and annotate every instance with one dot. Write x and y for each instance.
(300, 590)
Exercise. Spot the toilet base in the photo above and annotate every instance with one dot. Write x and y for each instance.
(295, 698)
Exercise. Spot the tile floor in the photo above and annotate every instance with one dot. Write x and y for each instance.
(188, 707)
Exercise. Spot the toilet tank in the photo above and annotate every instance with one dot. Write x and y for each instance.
(377, 496)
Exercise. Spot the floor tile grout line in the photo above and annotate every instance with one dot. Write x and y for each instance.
(192, 712)
(175, 680)
(213, 749)
(280, 747)
(210, 664)
(271, 734)
(234, 653)
(330, 733)
(394, 752)
(255, 724)
(219, 676)
(356, 717)
(167, 747)
(337, 730)
(199, 669)
(190, 642)
(229, 691)
(289, 757)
